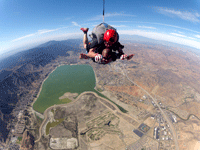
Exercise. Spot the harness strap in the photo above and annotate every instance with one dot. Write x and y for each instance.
(103, 9)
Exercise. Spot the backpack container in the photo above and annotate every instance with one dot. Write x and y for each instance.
(99, 30)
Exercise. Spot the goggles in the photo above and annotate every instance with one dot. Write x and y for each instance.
(110, 40)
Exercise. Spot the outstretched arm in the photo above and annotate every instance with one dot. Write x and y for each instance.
(123, 56)
(91, 54)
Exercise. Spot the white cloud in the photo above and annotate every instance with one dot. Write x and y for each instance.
(75, 24)
(46, 31)
(39, 32)
(198, 36)
(180, 32)
(185, 15)
(177, 34)
(168, 25)
(146, 27)
(192, 38)
(162, 36)
(23, 37)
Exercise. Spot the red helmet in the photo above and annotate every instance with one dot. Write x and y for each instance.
(110, 35)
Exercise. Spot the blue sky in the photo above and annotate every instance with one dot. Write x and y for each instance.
(25, 23)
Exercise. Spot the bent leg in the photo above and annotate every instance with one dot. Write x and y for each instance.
(85, 38)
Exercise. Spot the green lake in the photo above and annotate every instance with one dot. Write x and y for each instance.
(67, 78)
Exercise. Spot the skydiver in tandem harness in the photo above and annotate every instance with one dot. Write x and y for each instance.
(104, 46)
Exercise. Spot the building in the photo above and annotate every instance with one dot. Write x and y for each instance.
(174, 118)
(20, 127)
(156, 133)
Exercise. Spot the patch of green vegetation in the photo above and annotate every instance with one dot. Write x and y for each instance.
(101, 132)
(53, 124)
(52, 111)
(20, 139)
(90, 133)
(76, 96)
(103, 117)
(38, 118)
(99, 90)
(121, 108)
(92, 137)
(113, 117)
(66, 100)
(99, 124)
(114, 131)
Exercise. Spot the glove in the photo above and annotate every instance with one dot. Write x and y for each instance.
(122, 57)
(98, 58)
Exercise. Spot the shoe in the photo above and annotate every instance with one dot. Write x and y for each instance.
(83, 56)
(85, 30)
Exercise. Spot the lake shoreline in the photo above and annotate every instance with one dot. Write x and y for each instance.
(77, 77)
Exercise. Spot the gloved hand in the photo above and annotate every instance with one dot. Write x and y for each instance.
(98, 58)
(122, 57)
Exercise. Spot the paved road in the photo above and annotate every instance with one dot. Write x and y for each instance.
(162, 112)
(116, 111)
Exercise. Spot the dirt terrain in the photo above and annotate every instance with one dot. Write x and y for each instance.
(170, 75)
(189, 133)
(173, 74)
(91, 121)
(69, 95)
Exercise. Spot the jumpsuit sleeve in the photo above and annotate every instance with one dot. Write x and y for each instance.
(118, 47)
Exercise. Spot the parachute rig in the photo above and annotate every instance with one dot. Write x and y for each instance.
(104, 33)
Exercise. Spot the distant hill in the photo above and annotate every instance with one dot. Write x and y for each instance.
(69, 42)
(148, 41)
(19, 71)
(41, 54)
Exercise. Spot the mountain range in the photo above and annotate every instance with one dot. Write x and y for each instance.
(19, 71)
